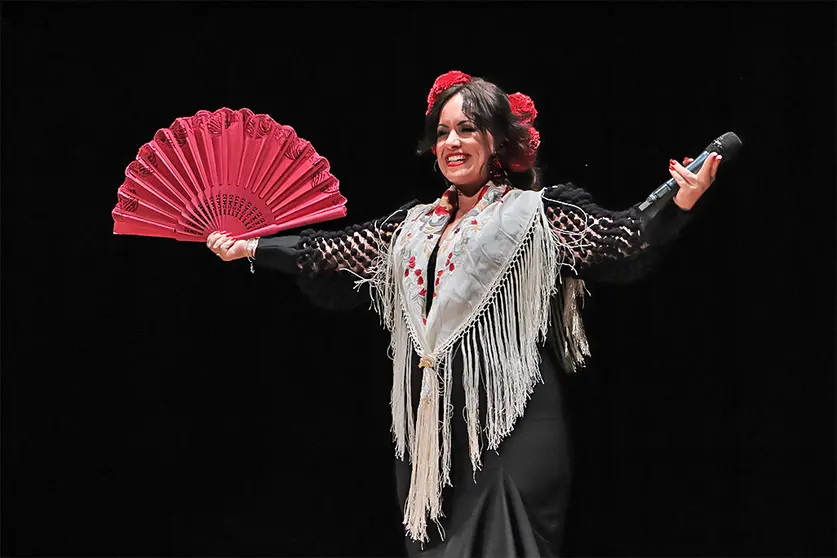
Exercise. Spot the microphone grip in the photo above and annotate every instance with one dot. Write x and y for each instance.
(662, 195)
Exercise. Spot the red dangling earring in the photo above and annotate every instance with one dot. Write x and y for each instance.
(495, 169)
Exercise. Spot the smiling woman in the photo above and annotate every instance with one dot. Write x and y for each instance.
(474, 110)
(462, 149)
(480, 438)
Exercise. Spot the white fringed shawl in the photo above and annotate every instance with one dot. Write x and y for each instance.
(492, 300)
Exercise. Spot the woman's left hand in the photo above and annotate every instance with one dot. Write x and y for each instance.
(692, 186)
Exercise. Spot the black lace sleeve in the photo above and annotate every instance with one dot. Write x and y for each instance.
(617, 246)
(327, 263)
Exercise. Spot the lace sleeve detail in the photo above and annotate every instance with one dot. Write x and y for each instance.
(331, 261)
(607, 245)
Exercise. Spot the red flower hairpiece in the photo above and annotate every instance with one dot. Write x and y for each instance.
(444, 81)
(534, 139)
(521, 105)
(524, 108)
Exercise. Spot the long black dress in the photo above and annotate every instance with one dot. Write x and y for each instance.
(515, 505)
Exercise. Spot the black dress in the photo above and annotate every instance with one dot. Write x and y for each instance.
(516, 504)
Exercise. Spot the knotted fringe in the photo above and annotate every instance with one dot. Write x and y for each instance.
(499, 344)
(390, 309)
(575, 339)
(400, 351)
(425, 496)
(567, 330)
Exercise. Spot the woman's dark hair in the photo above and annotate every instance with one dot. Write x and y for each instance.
(488, 106)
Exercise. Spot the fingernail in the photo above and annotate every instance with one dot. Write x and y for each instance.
(672, 162)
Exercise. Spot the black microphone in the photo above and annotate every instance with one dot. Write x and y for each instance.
(726, 145)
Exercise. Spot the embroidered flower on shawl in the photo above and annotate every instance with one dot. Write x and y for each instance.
(469, 226)
(430, 224)
(447, 203)
(519, 259)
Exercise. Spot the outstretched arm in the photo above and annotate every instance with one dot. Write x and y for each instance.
(622, 246)
(326, 263)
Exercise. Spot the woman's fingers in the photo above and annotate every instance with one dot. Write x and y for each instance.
(681, 181)
(687, 176)
(706, 175)
(225, 247)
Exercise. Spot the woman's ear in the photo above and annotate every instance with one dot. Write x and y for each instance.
(433, 150)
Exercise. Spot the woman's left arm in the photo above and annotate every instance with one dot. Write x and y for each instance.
(623, 246)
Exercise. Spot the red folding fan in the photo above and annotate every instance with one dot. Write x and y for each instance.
(228, 170)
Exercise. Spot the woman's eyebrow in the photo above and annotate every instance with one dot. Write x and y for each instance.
(466, 121)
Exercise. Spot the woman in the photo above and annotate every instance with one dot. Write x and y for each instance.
(469, 286)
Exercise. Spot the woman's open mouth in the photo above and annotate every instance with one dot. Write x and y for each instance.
(456, 160)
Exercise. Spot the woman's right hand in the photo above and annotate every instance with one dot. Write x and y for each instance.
(227, 248)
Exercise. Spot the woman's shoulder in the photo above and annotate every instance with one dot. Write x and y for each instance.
(414, 207)
(568, 192)
(411, 204)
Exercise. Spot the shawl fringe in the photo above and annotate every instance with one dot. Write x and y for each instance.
(499, 346)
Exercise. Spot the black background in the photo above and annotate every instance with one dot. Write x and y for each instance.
(158, 401)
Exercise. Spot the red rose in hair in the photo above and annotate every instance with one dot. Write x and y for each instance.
(524, 107)
(534, 139)
(444, 81)
(525, 161)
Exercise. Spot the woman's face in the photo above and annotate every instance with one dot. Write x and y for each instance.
(462, 150)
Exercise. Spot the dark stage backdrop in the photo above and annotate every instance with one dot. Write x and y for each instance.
(158, 401)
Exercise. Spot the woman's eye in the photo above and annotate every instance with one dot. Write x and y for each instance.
(440, 133)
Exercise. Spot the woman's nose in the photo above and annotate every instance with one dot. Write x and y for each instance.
(452, 139)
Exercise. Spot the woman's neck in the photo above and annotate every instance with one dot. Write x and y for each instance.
(466, 202)
(467, 198)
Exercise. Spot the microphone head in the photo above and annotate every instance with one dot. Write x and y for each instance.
(726, 145)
